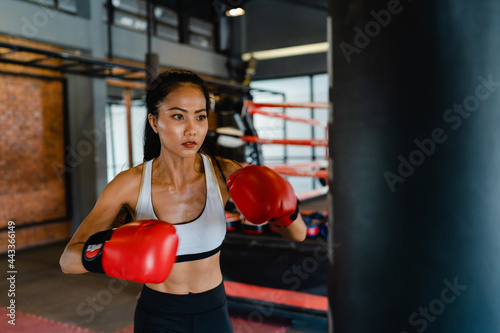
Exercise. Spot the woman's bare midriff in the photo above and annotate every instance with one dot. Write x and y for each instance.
(192, 277)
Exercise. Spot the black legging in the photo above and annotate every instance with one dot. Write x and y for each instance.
(204, 312)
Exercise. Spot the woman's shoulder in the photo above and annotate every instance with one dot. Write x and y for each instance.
(228, 166)
(122, 190)
(127, 179)
(130, 174)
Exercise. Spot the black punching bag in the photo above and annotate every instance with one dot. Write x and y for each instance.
(415, 142)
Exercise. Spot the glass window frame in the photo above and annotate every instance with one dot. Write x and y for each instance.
(55, 5)
(194, 26)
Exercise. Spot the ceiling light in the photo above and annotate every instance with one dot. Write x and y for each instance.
(287, 51)
(235, 12)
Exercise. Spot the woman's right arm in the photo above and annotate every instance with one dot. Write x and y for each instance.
(117, 193)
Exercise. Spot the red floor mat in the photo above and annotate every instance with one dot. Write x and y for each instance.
(277, 296)
(27, 323)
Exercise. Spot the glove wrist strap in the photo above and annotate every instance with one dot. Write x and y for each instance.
(285, 221)
(93, 249)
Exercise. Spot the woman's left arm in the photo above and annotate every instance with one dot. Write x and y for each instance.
(296, 231)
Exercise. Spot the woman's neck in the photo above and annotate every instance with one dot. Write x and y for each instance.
(177, 171)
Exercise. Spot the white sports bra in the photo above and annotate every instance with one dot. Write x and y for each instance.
(200, 238)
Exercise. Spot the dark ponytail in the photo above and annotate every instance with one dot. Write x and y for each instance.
(152, 145)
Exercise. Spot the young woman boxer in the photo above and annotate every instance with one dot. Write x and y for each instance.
(179, 194)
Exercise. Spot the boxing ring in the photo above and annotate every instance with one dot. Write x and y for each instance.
(314, 169)
(301, 305)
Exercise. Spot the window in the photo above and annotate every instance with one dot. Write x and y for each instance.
(200, 33)
(167, 23)
(131, 6)
(130, 21)
(68, 6)
(117, 136)
(49, 3)
(132, 14)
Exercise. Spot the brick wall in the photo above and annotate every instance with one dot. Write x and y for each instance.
(32, 193)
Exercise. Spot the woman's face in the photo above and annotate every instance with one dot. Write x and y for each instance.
(182, 122)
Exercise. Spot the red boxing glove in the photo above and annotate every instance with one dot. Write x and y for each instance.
(142, 251)
(262, 195)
